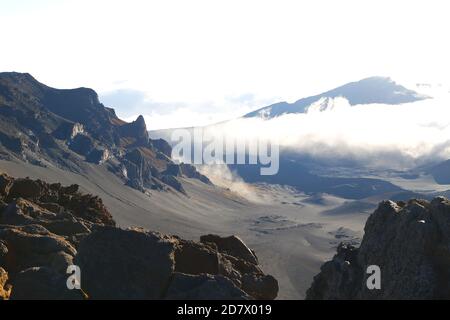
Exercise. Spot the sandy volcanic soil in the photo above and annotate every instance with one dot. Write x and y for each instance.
(292, 234)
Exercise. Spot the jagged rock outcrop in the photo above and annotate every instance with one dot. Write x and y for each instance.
(190, 171)
(82, 144)
(136, 130)
(173, 170)
(173, 182)
(233, 246)
(140, 172)
(98, 156)
(45, 228)
(66, 128)
(409, 242)
(163, 146)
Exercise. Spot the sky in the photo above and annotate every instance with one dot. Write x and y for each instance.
(186, 63)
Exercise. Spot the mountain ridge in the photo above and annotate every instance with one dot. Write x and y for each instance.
(368, 90)
(69, 127)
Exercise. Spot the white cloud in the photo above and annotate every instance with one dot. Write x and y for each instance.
(394, 136)
(200, 52)
(160, 115)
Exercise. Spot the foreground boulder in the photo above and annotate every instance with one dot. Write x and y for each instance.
(233, 246)
(42, 283)
(409, 242)
(45, 228)
(138, 264)
(204, 287)
(33, 245)
(125, 264)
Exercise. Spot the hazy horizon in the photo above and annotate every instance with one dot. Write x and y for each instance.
(187, 64)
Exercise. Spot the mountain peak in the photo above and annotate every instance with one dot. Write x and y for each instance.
(140, 121)
(377, 78)
(374, 90)
(369, 90)
(136, 129)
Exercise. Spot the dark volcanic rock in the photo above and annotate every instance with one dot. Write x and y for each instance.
(136, 130)
(12, 143)
(190, 171)
(26, 188)
(233, 246)
(196, 258)
(24, 212)
(47, 126)
(132, 265)
(139, 170)
(98, 156)
(163, 146)
(68, 130)
(82, 144)
(41, 283)
(259, 286)
(203, 287)
(5, 184)
(37, 202)
(33, 245)
(45, 228)
(173, 170)
(173, 182)
(137, 264)
(410, 242)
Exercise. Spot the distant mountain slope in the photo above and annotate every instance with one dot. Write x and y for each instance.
(441, 172)
(66, 128)
(369, 90)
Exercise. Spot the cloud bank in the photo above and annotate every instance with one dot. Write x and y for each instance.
(391, 136)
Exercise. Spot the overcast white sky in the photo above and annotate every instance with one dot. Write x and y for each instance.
(184, 63)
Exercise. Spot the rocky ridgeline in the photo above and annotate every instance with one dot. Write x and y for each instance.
(44, 228)
(70, 128)
(409, 242)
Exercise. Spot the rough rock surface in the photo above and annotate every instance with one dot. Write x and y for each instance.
(203, 287)
(5, 290)
(66, 128)
(410, 242)
(133, 264)
(42, 283)
(233, 246)
(44, 228)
